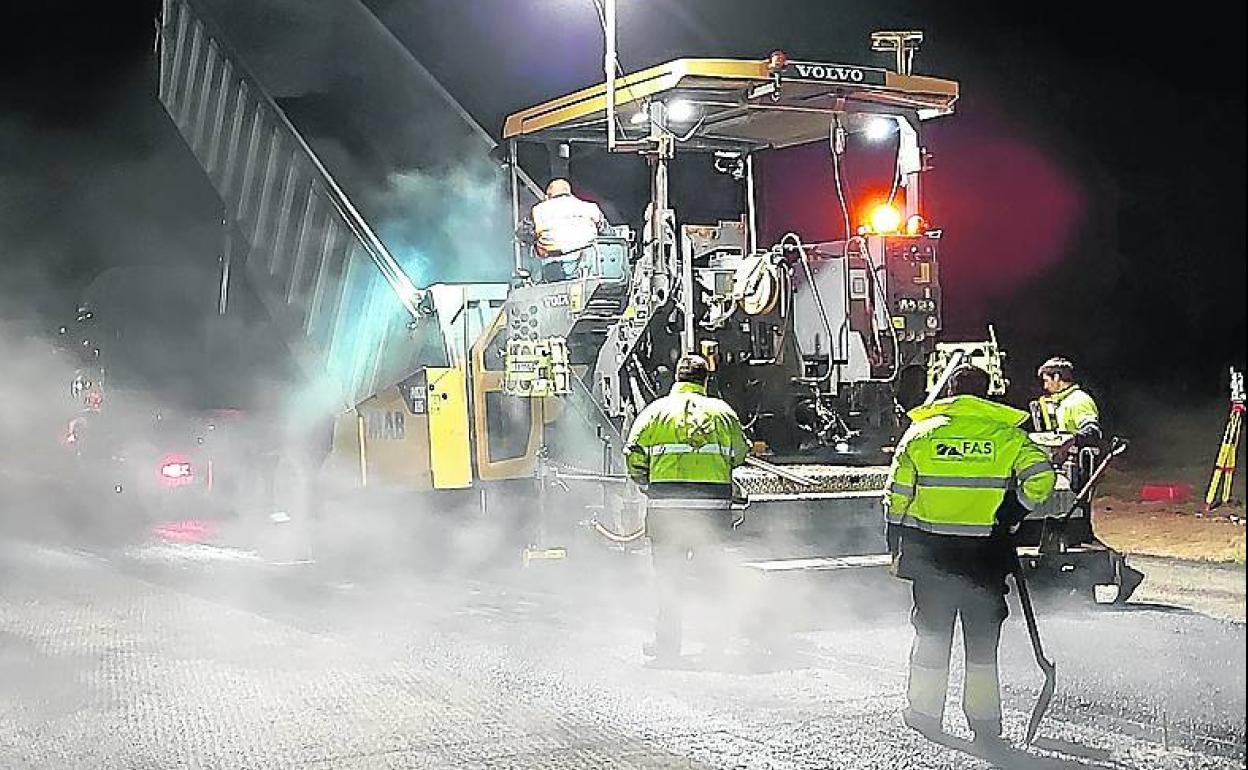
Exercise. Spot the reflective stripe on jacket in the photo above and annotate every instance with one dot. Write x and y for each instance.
(955, 463)
(685, 436)
(1069, 410)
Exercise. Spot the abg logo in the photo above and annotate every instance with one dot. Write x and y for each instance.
(385, 425)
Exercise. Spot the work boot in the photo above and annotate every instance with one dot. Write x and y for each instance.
(988, 737)
(928, 727)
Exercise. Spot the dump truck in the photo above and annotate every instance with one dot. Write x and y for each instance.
(513, 394)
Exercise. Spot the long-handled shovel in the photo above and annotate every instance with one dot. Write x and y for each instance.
(1048, 667)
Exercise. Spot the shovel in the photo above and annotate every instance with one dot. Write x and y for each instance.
(1048, 667)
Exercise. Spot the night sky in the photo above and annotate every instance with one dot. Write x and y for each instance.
(1091, 184)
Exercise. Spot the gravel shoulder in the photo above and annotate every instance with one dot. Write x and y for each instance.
(1216, 590)
(1171, 530)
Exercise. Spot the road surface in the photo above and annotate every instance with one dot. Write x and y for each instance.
(160, 655)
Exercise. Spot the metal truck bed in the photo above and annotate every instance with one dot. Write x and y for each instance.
(350, 311)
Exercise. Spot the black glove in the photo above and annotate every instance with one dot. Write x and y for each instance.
(526, 233)
(1010, 513)
(892, 533)
(1088, 435)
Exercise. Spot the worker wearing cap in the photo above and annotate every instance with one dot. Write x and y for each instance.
(1066, 407)
(682, 449)
(963, 475)
(564, 226)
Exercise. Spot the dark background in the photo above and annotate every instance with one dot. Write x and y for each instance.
(1091, 184)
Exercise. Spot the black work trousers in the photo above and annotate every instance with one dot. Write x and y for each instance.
(938, 601)
(688, 544)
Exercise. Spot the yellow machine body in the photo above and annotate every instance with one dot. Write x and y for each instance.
(414, 436)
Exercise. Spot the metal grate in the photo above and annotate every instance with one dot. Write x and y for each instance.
(830, 479)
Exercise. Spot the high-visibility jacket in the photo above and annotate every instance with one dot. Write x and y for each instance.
(955, 464)
(683, 439)
(1070, 410)
(565, 224)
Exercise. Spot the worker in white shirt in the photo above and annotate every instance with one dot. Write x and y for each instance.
(565, 226)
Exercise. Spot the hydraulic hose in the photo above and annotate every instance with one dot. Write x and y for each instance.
(865, 250)
(795, 240)
(616, 537)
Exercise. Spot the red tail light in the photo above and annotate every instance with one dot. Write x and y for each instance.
(175, 473)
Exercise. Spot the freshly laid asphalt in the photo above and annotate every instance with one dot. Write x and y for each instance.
(158, 654)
